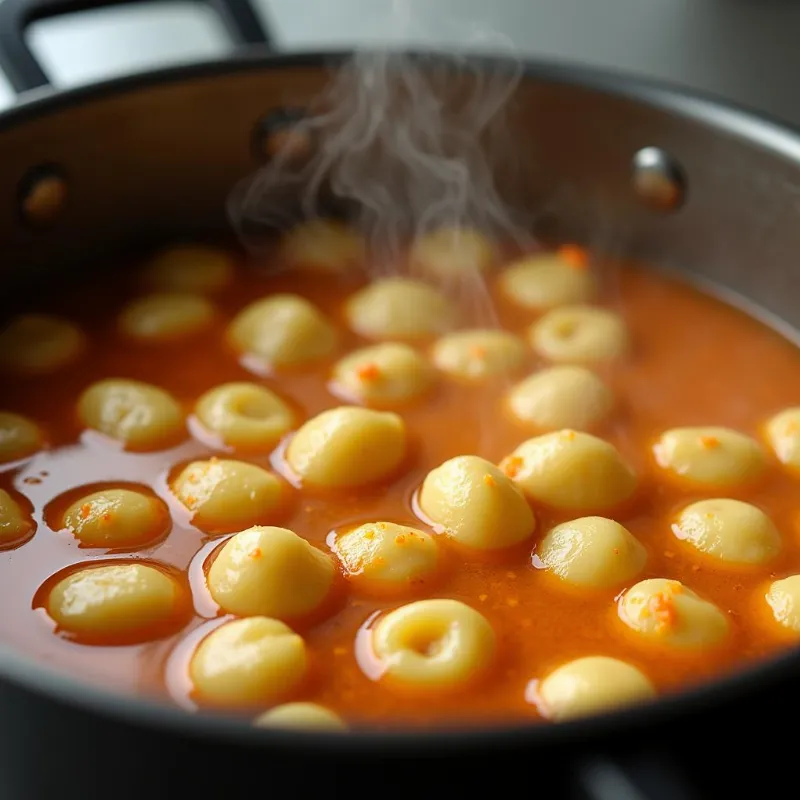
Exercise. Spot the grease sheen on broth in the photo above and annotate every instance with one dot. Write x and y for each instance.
(670, 378)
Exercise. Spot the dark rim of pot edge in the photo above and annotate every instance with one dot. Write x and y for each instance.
(725, 117)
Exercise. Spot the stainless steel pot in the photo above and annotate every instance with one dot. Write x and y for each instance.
(651, 172)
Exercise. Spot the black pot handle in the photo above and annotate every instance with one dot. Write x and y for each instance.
(25, 73)
(644, 776)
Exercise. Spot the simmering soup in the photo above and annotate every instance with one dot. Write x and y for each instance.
(494, 487)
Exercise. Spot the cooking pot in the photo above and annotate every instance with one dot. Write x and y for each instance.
(655, 173)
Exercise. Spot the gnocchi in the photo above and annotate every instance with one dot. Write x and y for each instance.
(164, 316)
(399, 308)
(283, 331)
(783, 436)
(709, 457)
(667, 613)
(347, 446)
(592, 552)
(20, 437)
(248, 661)
(449, 253)
(433, 645)
(323, 246)
(301, 717)
(472, 502)
(386, 558)
(579, 334)
(139, 416)
(225, 495)
(189, 268)
(117, 518)
(384, 375)
(270, 572)
(729, 530)
(545, 281)
(592, 685)
(571, 471)
(476, 355)
(38, 344)
(16, 526)
(783, 598)
(561, 397)
(245, 416)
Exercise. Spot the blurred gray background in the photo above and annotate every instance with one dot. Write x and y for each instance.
(746, 50)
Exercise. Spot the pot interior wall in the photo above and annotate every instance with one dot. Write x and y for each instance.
(160, 158)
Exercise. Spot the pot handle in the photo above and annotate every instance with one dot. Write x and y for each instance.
(24, 71)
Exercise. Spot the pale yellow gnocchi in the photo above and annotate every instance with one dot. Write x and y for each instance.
(20, 437)
(399, 308)
(385, 375)
(568, 396)
(249, 661)
(783, 598)
(138, 415)
(226, 495)
(16, 524)
(571, 471)
(165, 316)
(270, 572)
(301, 717)
(545, 281)
(579, 334)
(347, 446)
(115, 601)
(245, 416)
(668, 614)
(473, 503)
(591, 552)
(783, 436)
(117, 518)
(433, 645)
(452, 252)
(387, 558)
(324, 246)
(729, 530)
(476, 355)
(282, 331)
(592, 685)
(709, 457)
(189, 268)
(37, 344)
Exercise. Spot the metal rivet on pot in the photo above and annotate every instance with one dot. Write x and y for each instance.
(283, 132)
(658, 180)
(43, 196)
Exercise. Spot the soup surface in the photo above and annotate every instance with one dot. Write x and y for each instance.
(667, 399)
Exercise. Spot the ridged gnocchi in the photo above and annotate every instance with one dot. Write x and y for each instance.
(592, 685)
(473, 503)
(387, 558)
(38, 344)
(347, 446)
(476, 355)
(451, 252)
(270, 572)
(580, 335)
(117, 518)
(385, 375)
(545, 281)
(591, 552)
(668, 614)
(189, 268)
(783, 436)
(20, 437)
(561, 397)
(245, 416)
(729, 530)
(301, 717)
(709, 457)
(226, 495)
(139, 416)
(571, 471)
(783, 598)
(399, 308)
(323, 245)
(283, 331)
(115, 602)
(433, 645)
(250, 661)
(16, 525)
(165, 316)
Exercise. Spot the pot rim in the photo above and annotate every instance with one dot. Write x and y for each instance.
(21, 671)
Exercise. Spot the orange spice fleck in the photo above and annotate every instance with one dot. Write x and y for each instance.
(380, 561)
(86, 510)
(510, 574)
(512, 602)
(512, 466)
(477, 351)
(255, 553)
(489, 480)
(340, 651)
(482, 597)
(574, 256)
(709, 442)
(616, 551)
(669, 554)
(368, 372)
(662, 607)
(400, 539)
(695, 568)
(792, 427)
(381, 526)
(190, 500)
(106, 517)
